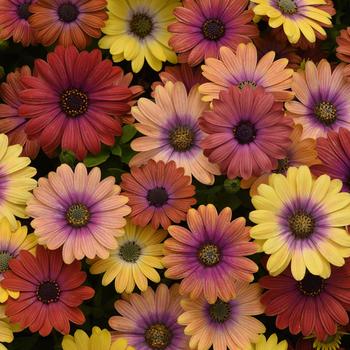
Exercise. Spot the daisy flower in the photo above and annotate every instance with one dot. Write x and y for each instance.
(331, 342)
(136, 259)
(322, 99)
(210, 256)
(69, 22)
(79, 212)
(270, 344)
(73, 100)
(149, 321)
(242, 68)
(6, 329)
(247, 132)
(204, 26)
(224, 324)
(137, 30)
(301, 220)
(11, 243)
(170, 126)
(158, 193)
(296, 16)
(51, 292)
(343, 48)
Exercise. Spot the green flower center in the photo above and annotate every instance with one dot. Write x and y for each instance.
(301, 224)
(246, 83)
(23, 11)
(244, 133)
(213, 29)
(157, 197)
(5, 257)
(68, 12)
(182, 138)
(311, 285)
(209, 255)
(74, 102)
(283, 165)
(326, 113)
(220, 311)
(287, 6)
(158, 336)
(78, 215)
(141, 25)
(48, 292)
(130, 252)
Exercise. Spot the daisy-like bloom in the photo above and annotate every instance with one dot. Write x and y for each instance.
(99, 339)
(242, 68)
(136, 259)
(158, 193)
(51, 291)
(301, 220)
(73, 101)
(204, 26)
(270, 344)
(6, 329)
(247, 132)
(296, 16)
(343, 48)
(137, 30)
(224, 324)
(11, 243)
(14, 21)
(211, 255)
(78, 211)
(331, 342)
(10, 122)
(69, 22)
(323, 102)
(171, 129)
(149, 321)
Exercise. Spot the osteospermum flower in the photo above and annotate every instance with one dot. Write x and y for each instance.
(172, 131)
(149, 321)
(158, 193)
(11, 243)
(270, 344)
(73, 101)
(210, 256)
(79, 212)
(136, 259)
(51, 292)
(331, 342)
(136, 31)
(204, 26)
(224, 324)
(247, 132)
(301, 220)
(69, 22)
(6, 329)
(322, 95)
(297, 17)
(242, 68)
(343, 48)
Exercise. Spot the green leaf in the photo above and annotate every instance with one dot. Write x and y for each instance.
(116, 150)
(129, 132)
(67, 157)
(127, 154)
(94, 160)
(232, 186)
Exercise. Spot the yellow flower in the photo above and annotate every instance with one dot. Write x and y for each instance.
(137, 30)
(6, 329)
(139, 253)
(331, 343)
(100, 339)
(270, 344)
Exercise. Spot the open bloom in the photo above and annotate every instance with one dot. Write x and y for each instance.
(78, 211)
(343, 48)
(270, 344)
(301, 220)
(6, 329)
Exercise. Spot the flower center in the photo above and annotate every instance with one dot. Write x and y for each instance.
(332, 342)
(141, 25)
(220, 311)
(68, 12)
(48, 292)
(287, 6)
(282, 167)
(213, 29)
(23, 11)
(326, 113)
(209, 254)
(78, 215)
(5, 257)
(74, 102)
(246, 83)
(130, 252)
(182, 138)
(301, 224)
(311, 285)
(157, 197)
(244, 133)
(158, 336)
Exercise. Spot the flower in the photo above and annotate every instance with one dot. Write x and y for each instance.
(6, 329)
(243, 69)
(323, 103)
(247, 132)
(172, 131)
(79, 212)
(159, 193)
(10, 122)
(73, 101)
(301, 220)
(332, 342)
(313, 305)
(224, 324)
(99, 339)
(270, 344)
(343, 48)
(135, 260)
(136, 31)
(149, 321)
(51, 291)
(69, 22)
(297, 17)
(204, 26)
(14, 21)
(11, 243)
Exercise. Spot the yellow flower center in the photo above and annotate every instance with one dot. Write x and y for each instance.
(301, 224)
(209, 254)
(5, 257)
(130, 252)
(181, 138)
(326, 113)
(48, 292)
(78, 215)
(141, 25)
(287, 6)
(74, 102)
(158, 336)
(213, 29)
(220, 311)
(311, 285)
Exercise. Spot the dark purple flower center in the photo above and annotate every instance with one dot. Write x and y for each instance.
(311, 285)
(213, 29)
(220, 311)
(5, 258)
(141, 25)
(158, 336)
(74, 102)
(48, 292)
(301, 224)
(130, 252)
(157, 197)
(244, 132)
(287, 6)
(182, 138)
(326, 113)
(209, 255)
(246, 83)
(23, 11)
(78, 215)
(68, 12)
(283, 166)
